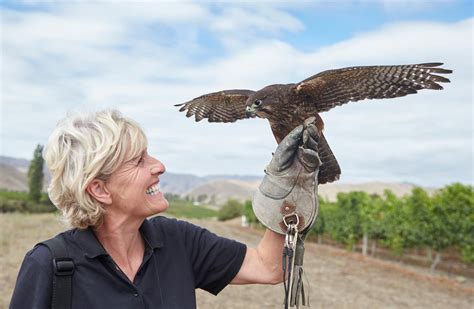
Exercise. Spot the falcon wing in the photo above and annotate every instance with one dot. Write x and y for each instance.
(222, 106)
(328, 89)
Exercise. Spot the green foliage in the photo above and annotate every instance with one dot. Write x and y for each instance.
(445, 220)
(396, 224)
(453, 219)
(251, 217)
(14, 195)
(202, 198)
(183, 208)
(231, 209)
(35, 174)
(467, 251)
(345, 224)
(171, 197)
(419, 216)
(319, 225)
(11, 201)
(375, 214)
(248, 212)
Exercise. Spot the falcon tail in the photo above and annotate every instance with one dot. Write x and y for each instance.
(329, 170)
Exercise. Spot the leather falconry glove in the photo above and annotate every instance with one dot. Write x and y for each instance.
(286, 202)
(288, 192)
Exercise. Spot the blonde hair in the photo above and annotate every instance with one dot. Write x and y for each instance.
(84, 147)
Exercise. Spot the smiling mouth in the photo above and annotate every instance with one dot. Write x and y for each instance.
(153, 190)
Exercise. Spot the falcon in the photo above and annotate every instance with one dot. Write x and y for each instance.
(287, 105)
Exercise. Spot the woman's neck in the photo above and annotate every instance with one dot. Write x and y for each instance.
(122, 240)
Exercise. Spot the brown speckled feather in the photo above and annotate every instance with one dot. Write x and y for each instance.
(329, 89)
(287, 106)
(221, 106)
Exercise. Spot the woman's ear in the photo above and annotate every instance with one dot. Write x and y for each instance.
(97, 189)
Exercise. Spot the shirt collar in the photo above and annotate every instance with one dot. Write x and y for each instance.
(151, 235)
(92, 247)
(89, 243)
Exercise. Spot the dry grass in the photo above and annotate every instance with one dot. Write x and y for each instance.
(338, 279)
(19, 233)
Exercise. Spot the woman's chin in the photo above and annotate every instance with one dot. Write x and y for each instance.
(157, 203)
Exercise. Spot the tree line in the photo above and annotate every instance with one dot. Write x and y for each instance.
(436, 223)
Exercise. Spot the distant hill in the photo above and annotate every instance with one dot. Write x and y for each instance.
(185, 183)
(14, 172)
(219, 191)
(13, 177)
(212, 189)
(21, 164)
(330, 191)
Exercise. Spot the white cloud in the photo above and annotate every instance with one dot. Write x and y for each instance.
(414, 5)
(143, 59)
(242, 26)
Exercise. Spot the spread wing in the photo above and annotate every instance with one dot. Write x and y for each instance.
(221, 106)
(328, 89)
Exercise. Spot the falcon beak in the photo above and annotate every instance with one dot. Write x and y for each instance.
(250, 111)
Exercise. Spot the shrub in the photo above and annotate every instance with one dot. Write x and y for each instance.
(11, 201)
(248, 212)
(231, 209)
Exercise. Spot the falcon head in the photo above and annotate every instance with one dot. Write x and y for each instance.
(253, 107)
(263, 102)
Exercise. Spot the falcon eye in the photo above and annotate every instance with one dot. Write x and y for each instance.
(257, 102)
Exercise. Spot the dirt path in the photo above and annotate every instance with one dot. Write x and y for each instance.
(339, 279)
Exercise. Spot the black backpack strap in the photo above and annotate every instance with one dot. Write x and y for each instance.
(63, 268)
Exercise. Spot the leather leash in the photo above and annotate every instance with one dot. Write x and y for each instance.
(292, 262)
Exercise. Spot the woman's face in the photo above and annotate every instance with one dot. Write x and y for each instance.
(135, 187)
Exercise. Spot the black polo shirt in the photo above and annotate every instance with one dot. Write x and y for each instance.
(179, 258)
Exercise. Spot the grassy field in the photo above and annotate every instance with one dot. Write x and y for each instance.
(20, 232)
(185, 209)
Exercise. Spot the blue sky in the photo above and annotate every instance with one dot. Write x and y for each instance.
(144, 57)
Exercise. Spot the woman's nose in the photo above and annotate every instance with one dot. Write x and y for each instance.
(157, 167)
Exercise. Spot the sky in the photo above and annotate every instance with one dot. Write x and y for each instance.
(142, 57)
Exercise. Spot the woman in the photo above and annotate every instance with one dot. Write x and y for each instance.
(106, 185)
